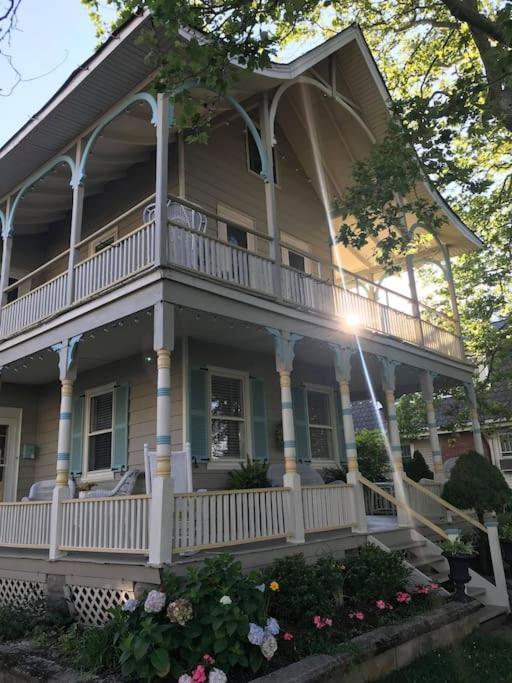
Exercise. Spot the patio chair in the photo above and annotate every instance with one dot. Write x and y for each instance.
(124, 487)
(308, 475)
(43, 490)
(181, 469)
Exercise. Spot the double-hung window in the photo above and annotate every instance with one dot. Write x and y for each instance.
(228, 416)
(320, 424)
(98, 429)
(293, 252)
(506, 451)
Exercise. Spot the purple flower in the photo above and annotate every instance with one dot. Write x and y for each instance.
(256, 634)
(130, 605)
(155, 602)
(272, 626)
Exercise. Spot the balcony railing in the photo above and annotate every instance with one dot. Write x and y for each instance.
(342, 294)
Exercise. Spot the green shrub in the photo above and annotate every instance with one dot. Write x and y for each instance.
(15, 623)
(330, 474)
(476, 484)
(374, 574)
(253, 476)
(416, 468)
(371, 454)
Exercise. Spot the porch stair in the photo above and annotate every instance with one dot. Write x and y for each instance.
(428, 565)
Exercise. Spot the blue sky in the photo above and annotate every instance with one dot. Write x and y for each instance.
(53, 36)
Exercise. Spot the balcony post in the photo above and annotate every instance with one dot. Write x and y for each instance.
(388, 381)
(285, 353)
(427, 389)
(162, 499)
(469, 388)
(270, 199)
(453, 295)
(5, 272)
(409, 261)
(343, 370)
(67, 376)
(162, 178)
(77, 183)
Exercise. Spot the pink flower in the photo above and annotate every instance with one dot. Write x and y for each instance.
(359, 616)
(199, 674)
(321, 622)
(287, 636)
(208, 659)
(380, 604)
(423, 590)
(434, 586)
(403, 597)
(389, 605)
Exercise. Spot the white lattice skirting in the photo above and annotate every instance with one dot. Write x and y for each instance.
(23, 594)
(90, 604)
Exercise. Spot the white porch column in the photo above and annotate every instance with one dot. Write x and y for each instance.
(270, 198)
(427, 389)
(162, 502)
(475, 421)
(67, 375)
(285, 352)
(162, 178)
(6, 266)
(388, 381)
(409, 261)
(343, 371)
(77, 183)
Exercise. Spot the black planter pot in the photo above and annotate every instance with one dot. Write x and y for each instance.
(459, 574)
(506, 551)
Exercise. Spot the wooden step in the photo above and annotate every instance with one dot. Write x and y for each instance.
(474, 592)
(407, 545)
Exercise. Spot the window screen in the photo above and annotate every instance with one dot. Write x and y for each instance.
(320, 427)
(227, 418)
(100, 431)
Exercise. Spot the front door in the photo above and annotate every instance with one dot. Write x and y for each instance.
(10, 423)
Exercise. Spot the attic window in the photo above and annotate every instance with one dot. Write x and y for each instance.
(253, 155)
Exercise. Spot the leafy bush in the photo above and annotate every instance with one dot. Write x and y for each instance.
(374, 574)
(305, 589)
(330, 474)
(371, 454)
(208, 611)
(253, 476)
(416, 468)
(15, 623)
(476, 484)
(93, 648)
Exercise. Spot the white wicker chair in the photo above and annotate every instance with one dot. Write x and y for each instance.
(43, 490)
(124, 487)
(181, 469)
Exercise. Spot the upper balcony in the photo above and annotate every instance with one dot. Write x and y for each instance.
(205, 243)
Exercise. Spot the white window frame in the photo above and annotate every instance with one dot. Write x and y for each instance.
(113, 232)
(232, 215)
(108, 473)
(275, 157)
(230, 463)
(296, 245)
(320, 388)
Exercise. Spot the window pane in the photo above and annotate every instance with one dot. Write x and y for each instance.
(227, 397)
(318, 408)
(237, 237)
(100, 451)
(227, 439)
(321, 446)
(296, 261)
(101, 412)
(506, 443)
(104, 244)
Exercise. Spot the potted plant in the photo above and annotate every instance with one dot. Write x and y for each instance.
(459, 554)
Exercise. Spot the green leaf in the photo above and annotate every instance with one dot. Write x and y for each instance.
(160, 660)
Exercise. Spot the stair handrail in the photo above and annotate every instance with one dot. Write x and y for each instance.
(445, 504)
(401, 504)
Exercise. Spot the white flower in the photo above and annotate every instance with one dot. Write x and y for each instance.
(130, 605)
(268, 647)
(216, 676)
(155, 602)
(185, 678)
(256, 634)
(260, 588)
(225, 600)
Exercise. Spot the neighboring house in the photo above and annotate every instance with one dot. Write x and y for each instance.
(160, 293)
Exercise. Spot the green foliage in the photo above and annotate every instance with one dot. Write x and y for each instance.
(458, 547)
(253, 476)
(320, 587)
(476, 484)
(416, 468)
(330, 474)
(371, 454)
(153, 645)
(15, 623)
(374, 574)
(411, 414)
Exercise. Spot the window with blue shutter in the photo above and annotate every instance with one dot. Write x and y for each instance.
(300, 417)
(120, 428)
(260, 451)
(198, 412)
(77, 436)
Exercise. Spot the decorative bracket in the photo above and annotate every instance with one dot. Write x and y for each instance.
(67, 357)
(342, 361)
(285, 348)
(388, 372)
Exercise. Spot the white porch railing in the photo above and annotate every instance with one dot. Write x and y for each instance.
(375, 504)
(216, 259)
(25, 525)
(328, 507)
(421, 502)
(224, 518)
(118, 524)
(34, 306)
(124, 258)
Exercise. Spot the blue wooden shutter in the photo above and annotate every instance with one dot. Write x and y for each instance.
(198, 414)
(77, 436)
(258, 421)
(300, 417)
(342, 451)
(120, 428)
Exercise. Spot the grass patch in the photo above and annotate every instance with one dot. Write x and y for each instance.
(475, 660)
